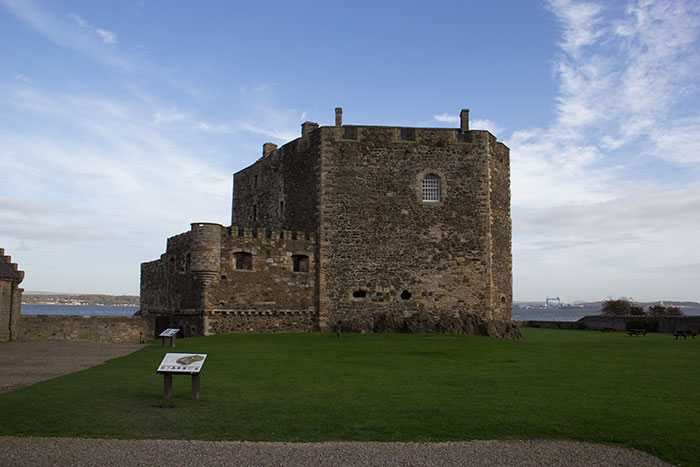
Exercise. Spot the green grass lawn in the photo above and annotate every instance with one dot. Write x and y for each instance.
(642, 392)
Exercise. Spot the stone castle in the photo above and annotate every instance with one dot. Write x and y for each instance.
(383, 229)
(10, 298)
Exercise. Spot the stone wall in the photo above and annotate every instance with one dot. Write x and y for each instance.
(281, 190)
(501, 229)
(385, 259)
(10, 298)
(199, 286)
(668, 324)
(219, 322)
(111, 329)
(385, 255)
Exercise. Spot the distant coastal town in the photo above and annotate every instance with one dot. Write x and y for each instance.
(30, 298)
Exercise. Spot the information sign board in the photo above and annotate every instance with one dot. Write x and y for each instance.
(187, 363)
(170, 332)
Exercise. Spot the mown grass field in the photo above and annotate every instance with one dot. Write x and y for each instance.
(642, 392)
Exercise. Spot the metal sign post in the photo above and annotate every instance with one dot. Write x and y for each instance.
(181, 364)
(170, 332)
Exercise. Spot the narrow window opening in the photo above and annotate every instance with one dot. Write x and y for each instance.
(405, 295)
(255, 181)
(255, 213)
(300, 263)
(359, 294)
(244, 261)
(431, 188)
(281, 212)
(350, 132)
(223, 277)
(408, 134)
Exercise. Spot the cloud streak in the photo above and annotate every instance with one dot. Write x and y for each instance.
(582, 188)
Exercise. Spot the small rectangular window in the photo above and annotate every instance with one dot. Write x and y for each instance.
(244, 261)
(255, 213)
(281, 212)
(350, 132)
(300, 263)
(408, 134)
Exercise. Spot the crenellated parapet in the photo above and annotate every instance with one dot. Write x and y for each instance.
(384, 228)
(205, 240)
(11, 270)
(10, 297)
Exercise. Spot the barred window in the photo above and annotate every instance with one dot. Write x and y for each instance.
(431, 188)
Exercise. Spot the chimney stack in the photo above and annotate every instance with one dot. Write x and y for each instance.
(464, 120)
(338, 116)
(307, 128)
(268, 148)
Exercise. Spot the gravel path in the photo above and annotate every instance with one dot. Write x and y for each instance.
(98, 452)
(25, 363)
(28, 362)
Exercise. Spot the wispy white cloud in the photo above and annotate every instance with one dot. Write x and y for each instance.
(488, 125)
(474, 124)
(106, 36)
(446, 118)
(269, 121)
(623, 74)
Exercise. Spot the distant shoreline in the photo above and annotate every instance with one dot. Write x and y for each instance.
(80, 299)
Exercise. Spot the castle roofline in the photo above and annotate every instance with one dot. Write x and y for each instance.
(8, 269)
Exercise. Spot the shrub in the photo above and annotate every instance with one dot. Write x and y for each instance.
(621, 307)
(661, 310)
(657, 310)
(649, 325)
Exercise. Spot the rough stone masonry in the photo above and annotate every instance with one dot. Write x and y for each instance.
(383, 229)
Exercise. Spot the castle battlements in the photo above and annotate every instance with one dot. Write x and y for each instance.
(384, 228)
(12, 268)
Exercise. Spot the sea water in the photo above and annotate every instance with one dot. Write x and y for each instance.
(82, 310)
(519, 314)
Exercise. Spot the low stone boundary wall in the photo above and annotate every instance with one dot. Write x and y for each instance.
(668, 324)
(244, 322)
(111, 329)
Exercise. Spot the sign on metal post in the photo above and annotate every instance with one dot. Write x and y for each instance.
(170, 332)
(182, 364)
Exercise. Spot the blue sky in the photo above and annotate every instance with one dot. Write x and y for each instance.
(122, 122)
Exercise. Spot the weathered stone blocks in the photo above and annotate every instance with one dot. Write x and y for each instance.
(403, 230)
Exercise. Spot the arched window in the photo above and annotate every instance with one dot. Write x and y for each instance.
(431, 188)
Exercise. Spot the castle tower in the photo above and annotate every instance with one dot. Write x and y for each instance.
(205, 251)
(10, 298)
(411, 232)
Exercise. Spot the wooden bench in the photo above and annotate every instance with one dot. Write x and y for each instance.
(608, 329)
(685, 334)
(637, 332)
